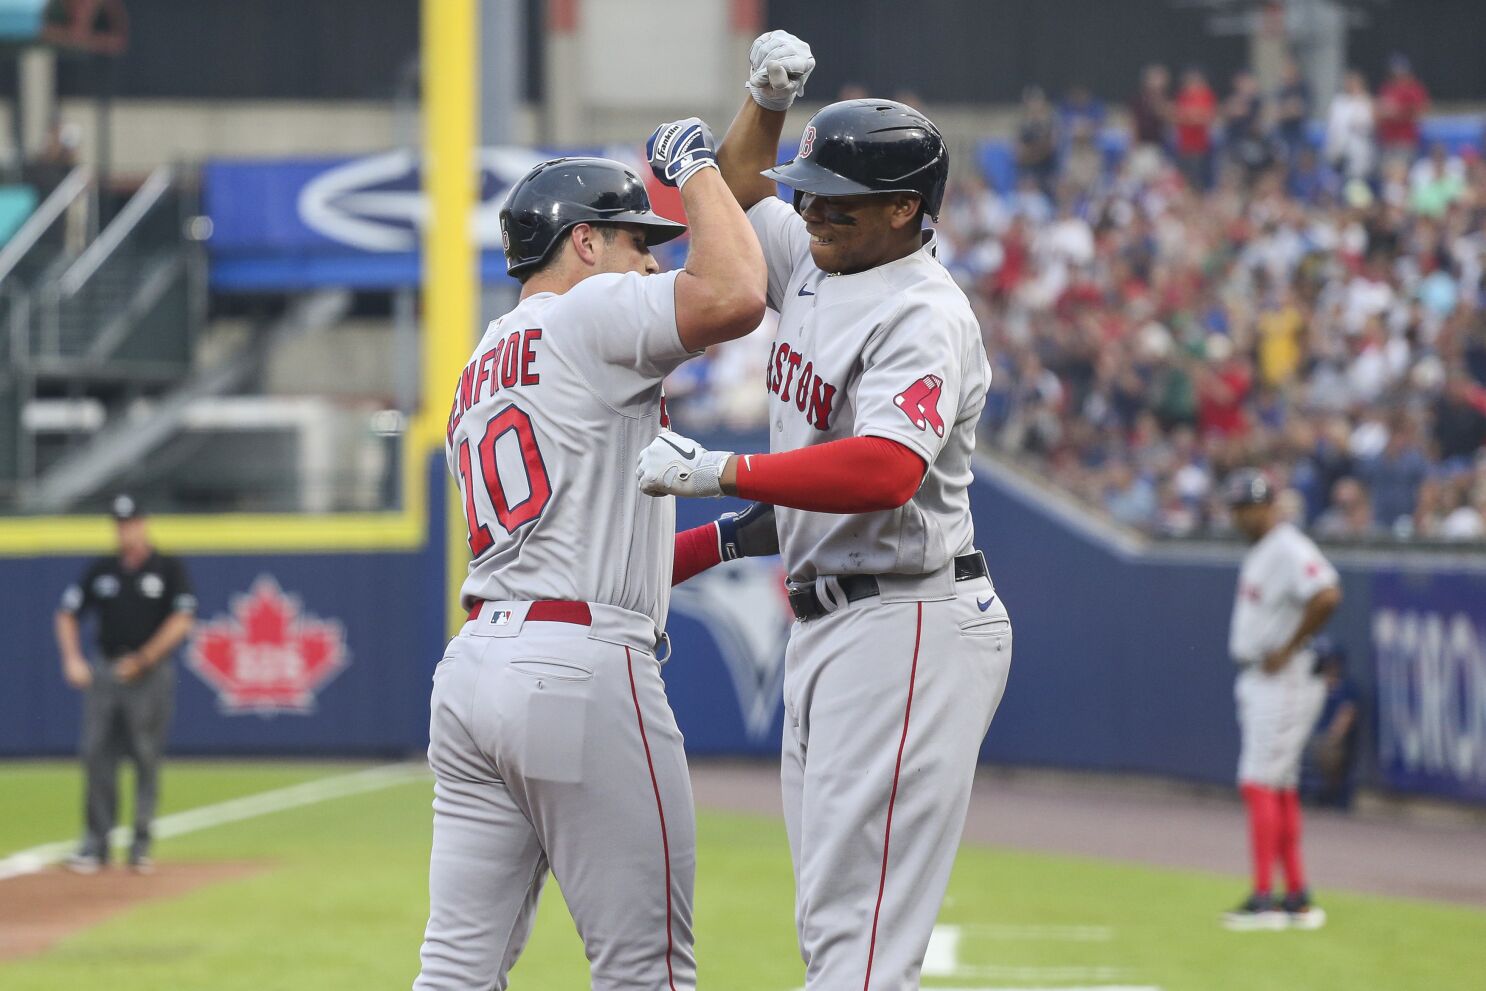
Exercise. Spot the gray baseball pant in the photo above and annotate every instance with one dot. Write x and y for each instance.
(553, 748)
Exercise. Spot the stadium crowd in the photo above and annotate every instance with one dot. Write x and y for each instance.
(1225, 292)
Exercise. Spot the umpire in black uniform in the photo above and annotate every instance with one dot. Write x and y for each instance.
(145, 610)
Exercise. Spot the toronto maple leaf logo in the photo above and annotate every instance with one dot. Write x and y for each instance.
(268, 656)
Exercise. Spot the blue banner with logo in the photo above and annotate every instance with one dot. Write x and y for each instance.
(1429, 641)
(286, 225)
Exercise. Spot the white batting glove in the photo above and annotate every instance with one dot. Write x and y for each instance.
(778, 66)
(676, 465)
(680, 149)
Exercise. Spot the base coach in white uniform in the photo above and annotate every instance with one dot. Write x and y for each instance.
(901, 648)
(1286, 592)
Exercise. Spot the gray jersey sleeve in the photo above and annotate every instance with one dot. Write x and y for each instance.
(912, 375)
(620, 332)
(786, 245)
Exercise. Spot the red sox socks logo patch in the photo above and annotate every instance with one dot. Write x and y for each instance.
(920, 403)
(268, 656)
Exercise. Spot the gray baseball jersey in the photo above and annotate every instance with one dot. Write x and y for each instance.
(1280, 574)
(891, 352)
(554, 406)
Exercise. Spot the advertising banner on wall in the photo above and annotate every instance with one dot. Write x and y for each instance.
(286, 225)
(1429, 642)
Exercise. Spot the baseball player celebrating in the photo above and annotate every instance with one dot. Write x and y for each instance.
(1286, 592)
(551, 741)
(901, 650)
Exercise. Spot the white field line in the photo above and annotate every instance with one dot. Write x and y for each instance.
(1050, 934)
(233, 810)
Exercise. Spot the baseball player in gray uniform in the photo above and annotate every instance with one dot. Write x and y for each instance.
(901, 649)
(1286, 592)
(551, 740)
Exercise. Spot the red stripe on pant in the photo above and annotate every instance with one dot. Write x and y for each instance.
(665, 843)
(893, 795)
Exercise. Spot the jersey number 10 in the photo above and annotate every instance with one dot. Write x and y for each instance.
(539, 487)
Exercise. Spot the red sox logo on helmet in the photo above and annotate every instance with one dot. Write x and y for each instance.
(807, 142)
(920, 403)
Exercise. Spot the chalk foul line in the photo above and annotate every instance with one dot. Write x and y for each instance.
(370, 779)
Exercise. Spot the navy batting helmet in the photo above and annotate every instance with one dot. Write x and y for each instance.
(868, 146)
(555, 196)
(1248, 487)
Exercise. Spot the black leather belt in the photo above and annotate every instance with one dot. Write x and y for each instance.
(807, 605)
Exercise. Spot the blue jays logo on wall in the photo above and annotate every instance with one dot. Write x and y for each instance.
(742, 609)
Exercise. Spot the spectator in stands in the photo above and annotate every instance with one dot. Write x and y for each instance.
(1292, 109)
(1436, 182)
(1195, 111)
(1150, 110)
(1243, 106)
(1037, 139)
(1349, 129)
(1080, 107)
(1394, 476)
(1459, 420)
(1350, 515)
(1402, 101)
(1083, 161)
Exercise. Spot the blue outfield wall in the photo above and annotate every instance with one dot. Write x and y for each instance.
(1119, 663)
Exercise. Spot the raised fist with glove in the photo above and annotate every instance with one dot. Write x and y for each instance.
(676, 465)
(778, 66)
(680, 149)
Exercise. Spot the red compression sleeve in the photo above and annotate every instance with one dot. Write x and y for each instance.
(855, 475)
(697, 550)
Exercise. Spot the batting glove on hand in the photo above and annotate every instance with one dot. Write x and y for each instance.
(680, 149)
(778, 66)
(676, 465)
(750, 533)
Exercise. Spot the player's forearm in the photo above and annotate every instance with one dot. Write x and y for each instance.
(750, 146)
(724, 298)
(854, 475)
(1317, 611)
(696, 550)
(167, 638)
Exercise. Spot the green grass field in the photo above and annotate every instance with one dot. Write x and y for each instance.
(342, 902)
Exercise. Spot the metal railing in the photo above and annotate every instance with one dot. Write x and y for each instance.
(26, 252)
(92, 316)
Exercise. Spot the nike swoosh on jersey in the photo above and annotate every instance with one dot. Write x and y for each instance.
(684, 453)
(987, 603)
(805, 292)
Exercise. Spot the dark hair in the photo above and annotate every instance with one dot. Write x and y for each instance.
(607, 231)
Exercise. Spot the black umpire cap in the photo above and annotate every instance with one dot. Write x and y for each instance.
(868, 146)
(557, 195)
(1248, 487)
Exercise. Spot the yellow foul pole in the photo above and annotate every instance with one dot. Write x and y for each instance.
(450, 108)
